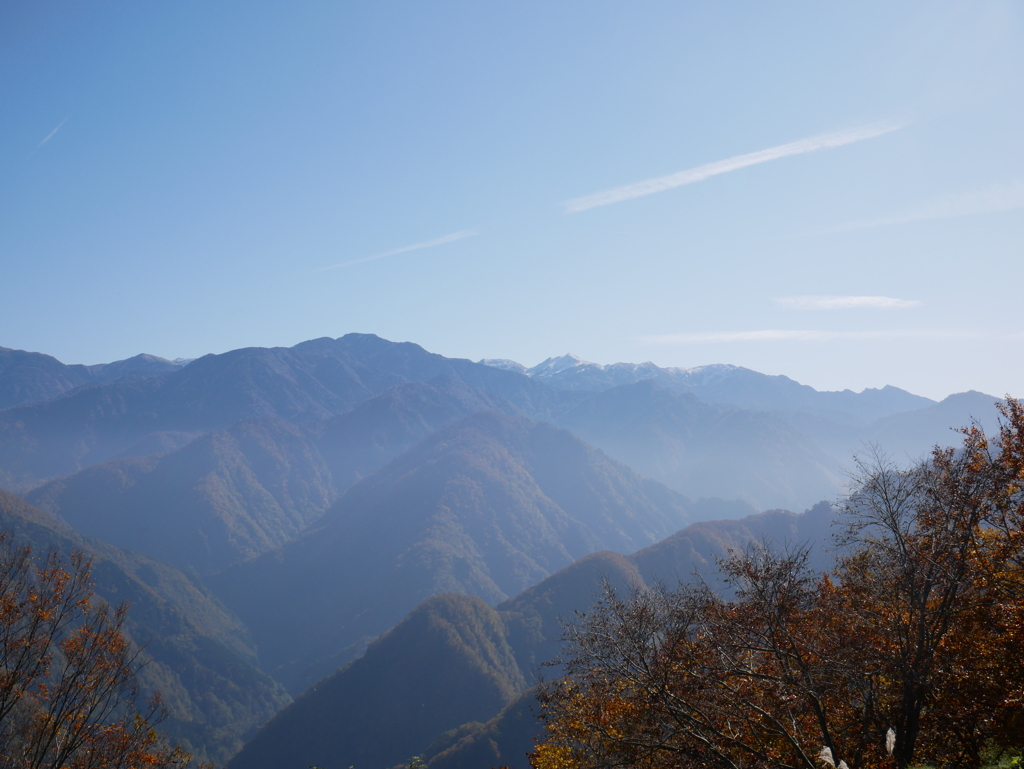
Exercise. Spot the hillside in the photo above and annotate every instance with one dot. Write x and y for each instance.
(486, 507)
(233, 494)
(226, 496)
(497, 726)
(443, 664)
(712, 431)
(202, 660)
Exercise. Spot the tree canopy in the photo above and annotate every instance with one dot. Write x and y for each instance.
(911, 651)
(68, 673)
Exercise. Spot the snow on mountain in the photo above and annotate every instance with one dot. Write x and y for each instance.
(553, 366)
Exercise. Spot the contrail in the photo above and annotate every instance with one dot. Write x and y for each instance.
(700, 173)
(50, 135)
(415, 247)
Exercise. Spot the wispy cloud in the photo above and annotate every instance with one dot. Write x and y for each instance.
(404, 249)
(845, 302)
(797, 335)
(700, 173)
(52, 133)
(998, 197)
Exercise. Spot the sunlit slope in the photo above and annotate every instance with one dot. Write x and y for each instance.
(446, 662)
(227, 496)
(236, 493)
(487, 507)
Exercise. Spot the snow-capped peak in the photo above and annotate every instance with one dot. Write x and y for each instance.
(504, 363)
(553, 366)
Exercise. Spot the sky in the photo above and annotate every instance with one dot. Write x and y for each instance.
(830, 191)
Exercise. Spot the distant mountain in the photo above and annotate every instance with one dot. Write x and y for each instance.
(361, 441)
(236, 493)
(30, 377)
(312, 380)
(397, 701)
(226, 496)
(706, 450)
(911, 435)
(202, 660)
(726, 384)
(505, 364)
(486, 507)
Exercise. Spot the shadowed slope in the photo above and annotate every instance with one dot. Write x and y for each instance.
(530, 627)
(361, 441)
(487, 506)
(202, 661)
(30, 377)
(445, 662)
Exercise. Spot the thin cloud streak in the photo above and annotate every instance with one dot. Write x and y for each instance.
(998, 197)
(52, 133)
(700, 173)
(405, 249)
(794, 335)
(845, 302)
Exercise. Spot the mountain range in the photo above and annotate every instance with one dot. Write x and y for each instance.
(762, 447)
(28, 377)
(392, 536)
(722, 383)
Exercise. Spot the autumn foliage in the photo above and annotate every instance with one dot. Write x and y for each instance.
(67, 673)
(917, 635)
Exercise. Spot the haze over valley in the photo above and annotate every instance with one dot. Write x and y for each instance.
(293, 512)
(533, 385)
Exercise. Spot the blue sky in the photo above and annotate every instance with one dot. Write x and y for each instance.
(834, 192)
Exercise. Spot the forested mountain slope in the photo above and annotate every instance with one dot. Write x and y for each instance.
(765, 439)
(236, 493)
(202, 660)
(497, 653)
(487, 507)
(226, 496)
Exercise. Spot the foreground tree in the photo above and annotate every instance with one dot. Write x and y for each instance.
(68, 673)
(912, 651)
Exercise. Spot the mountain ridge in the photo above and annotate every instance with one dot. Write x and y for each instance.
(500, 726)
(486, 506)
(724, 383)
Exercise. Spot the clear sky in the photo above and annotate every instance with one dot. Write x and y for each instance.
(831, 191)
